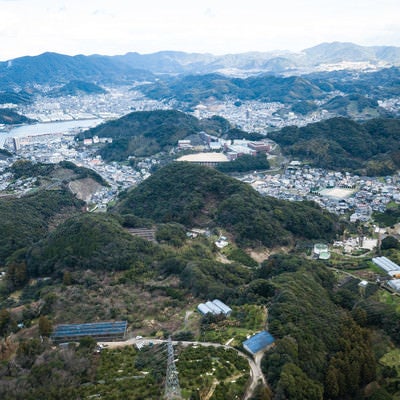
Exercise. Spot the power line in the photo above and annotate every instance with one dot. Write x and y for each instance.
(172, 388)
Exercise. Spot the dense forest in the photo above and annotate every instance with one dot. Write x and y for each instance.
(194, 89)
(198, 196)
(369, 148)
(23, 221)
(75, 88)
(321, 352)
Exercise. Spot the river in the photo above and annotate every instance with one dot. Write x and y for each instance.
(48, 128)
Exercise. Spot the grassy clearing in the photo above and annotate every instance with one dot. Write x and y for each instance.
(392, 359)
(389, 298)
(244, 321)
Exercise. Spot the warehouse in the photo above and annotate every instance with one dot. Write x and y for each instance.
(214, 307)
(386, 264)
(99, 331)
(259, 342)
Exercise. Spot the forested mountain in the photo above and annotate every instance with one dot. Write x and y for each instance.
(198, 196)
(11, 97)
(370, 148)
(197, 88)
(93, 241)
(380, 84)
(10, 117)
(75, 88)
(53, 68)
(322, 353)
(145, 133)
(26, 220)
(355, 106)
(356, 93)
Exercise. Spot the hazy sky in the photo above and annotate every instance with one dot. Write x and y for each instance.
(31, 27)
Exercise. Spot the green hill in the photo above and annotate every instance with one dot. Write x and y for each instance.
(75, 88)
(25, 220)
(355, 106)
(61, 173)
(369, 148)
(10, 117)
(197, 88)
(21, 97)
(199, 196)
(94, 241)
(146, 133)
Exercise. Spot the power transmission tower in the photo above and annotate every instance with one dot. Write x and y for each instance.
(172, 388)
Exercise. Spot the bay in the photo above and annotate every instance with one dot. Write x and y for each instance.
(49, 128)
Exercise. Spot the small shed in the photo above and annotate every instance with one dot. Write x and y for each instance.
(395, 284)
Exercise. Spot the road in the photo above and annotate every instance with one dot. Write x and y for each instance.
(256, 374)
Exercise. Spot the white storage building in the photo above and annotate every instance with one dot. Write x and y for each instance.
(214, 307)
(386, 264)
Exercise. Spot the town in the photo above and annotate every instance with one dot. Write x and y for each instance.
(340, 193)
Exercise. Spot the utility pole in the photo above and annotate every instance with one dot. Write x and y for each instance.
(172, 388)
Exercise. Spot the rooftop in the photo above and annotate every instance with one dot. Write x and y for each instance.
(204, 158)
(258, 342)
(94, 329)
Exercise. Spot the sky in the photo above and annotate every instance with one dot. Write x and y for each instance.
(110, 27)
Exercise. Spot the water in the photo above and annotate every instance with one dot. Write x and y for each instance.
(48, 128)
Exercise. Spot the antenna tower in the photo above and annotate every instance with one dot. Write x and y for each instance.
(172, 388)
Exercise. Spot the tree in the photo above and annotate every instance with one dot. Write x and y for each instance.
(390, 242)
(16, 276)
(45, 326)
(7, 324)
(294, 384)
(67, 278)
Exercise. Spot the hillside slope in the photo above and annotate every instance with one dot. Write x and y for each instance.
(145, 133)
(94, 241)
(370, 148)
(25, 220)
(199, 196)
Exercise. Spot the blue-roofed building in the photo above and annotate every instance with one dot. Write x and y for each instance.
(259, 342)
(100, 331)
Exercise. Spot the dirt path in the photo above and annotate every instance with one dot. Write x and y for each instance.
(256, 374)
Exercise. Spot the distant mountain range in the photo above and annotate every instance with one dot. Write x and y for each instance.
(52, 68)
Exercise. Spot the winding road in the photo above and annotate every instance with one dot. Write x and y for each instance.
(256, 374)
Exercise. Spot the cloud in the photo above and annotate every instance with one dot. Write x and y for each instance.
(209, 13)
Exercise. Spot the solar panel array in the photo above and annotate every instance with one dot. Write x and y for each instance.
(96, 330)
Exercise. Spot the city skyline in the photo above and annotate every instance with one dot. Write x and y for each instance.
(31, 27)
